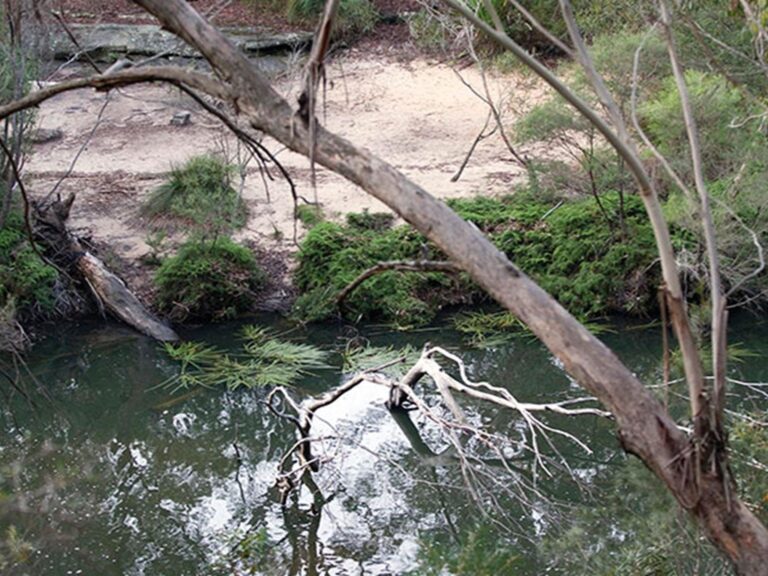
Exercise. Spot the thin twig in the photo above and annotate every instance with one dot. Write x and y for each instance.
(83, 146)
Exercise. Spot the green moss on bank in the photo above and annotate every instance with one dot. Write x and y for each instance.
(333, 255)
(24, 278)
(208, 280)
(592, 267)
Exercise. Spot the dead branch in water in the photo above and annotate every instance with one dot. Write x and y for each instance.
(483, 456)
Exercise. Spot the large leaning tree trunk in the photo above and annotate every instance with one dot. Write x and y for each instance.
(644, 426)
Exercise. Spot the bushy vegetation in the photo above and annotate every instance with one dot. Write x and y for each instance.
(200, 192)
(728, 126)
(591, 266)
(309, 215)
(26, 282)
(733, 141)
(333, 255)
(208, 280)
(24, 278)
(431, 29)
(28, 286)
(353, 17)
(211, 277)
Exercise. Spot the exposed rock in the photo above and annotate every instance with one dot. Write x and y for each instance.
(43, 135)
(106, 42)
(181, 118)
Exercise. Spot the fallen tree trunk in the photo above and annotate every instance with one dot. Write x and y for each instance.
(115, 296)
(108, 289)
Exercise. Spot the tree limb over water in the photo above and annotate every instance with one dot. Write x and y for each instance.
(692, 467)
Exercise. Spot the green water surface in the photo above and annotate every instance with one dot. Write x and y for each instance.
(105, 473)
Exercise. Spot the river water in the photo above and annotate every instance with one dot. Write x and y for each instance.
(104, 472)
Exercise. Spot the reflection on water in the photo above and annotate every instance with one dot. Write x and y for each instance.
(106, 474)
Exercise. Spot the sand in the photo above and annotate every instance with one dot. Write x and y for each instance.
(417, 115)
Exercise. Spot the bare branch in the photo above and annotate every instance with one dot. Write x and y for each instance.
(699, 403)
(755, 241)
(171, 74)
(316, 72)
(494, 108)
(482, 135)
(80, 150)
(401, 266)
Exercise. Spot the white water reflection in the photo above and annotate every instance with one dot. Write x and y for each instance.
(155, 485)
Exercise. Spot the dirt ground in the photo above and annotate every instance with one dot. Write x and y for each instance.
(418, 115)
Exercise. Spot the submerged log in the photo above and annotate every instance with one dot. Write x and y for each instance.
(110, 291)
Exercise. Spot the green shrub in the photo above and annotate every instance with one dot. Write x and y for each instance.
(24, 277)
(590, 267)
(716, 105)
(720, 41)
(353, 16)
(332, 256)
(735, 159)
(428, 31)
(200, 192)
(614, 58)
(208, 280)
(594, 18)
(370, 220)
(309, 215)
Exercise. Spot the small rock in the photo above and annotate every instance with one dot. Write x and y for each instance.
(181, 118)
(43, 135)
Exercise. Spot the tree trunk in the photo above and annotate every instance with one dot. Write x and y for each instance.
(645, 428)
(110, 291)
(120, 301)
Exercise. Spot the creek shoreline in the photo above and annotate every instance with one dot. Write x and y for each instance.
(379, 74)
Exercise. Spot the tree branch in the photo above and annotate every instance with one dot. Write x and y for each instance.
(399, 265)
(171, 74)
(703, 424)
(626, 151)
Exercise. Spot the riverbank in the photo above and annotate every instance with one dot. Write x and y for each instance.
(127, 145)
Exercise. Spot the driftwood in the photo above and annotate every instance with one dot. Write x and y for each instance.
(115, 296)
(108, 289)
